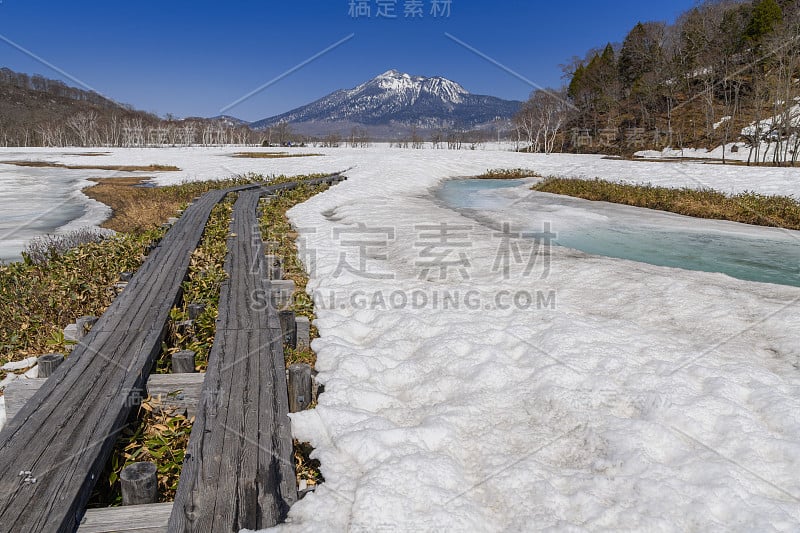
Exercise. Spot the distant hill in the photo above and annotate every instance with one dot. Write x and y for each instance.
(394, 102)
(229, 120)
(37, 111)
(29, 104)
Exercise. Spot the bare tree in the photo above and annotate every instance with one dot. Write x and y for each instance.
(417, 141)
(283, 131)
(83, 124)
(542, 118)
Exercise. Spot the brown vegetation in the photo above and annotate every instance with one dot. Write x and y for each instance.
(747, 207)
(137, 209)
(508, 174)
(271, 155)
(120, 168)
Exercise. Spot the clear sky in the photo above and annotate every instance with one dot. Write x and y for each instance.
(195, 58)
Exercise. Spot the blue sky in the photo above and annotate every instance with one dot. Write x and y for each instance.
(195, 58)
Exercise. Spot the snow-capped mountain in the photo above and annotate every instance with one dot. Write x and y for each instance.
(399, 99)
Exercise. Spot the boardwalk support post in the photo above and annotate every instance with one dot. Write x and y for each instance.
(299, 387)
(302, 332)
(274, 267)
(48, 364)
(139, 484)
(84, 325)
(287, 319)
(183, 362)
(195, 310)
(282, 292)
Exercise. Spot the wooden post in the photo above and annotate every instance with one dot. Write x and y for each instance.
(183, 362)
(287, 319)
(84, 324)
(18, 392)
(184, 327)
(274, 267)
(139, 484)
(195, 310)
(299, 387)
(176, 391)
(302, 332)
(120, 286)
(281, 292)
(48, 363)
(71, 333)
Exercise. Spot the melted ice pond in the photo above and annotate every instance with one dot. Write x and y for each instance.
(742, 251)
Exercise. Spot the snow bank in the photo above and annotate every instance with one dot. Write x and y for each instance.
(648, 398)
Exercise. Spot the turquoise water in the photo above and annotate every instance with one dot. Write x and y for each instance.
(746, 252)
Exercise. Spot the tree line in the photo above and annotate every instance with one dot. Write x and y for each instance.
(37, 111)
(725, 71)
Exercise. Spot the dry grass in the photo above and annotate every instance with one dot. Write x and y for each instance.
(271, 155)
(714, 161)
(159, 435)
(137, 209)
(120, 168)
(508, 174)
(747, 207)
(37, 300)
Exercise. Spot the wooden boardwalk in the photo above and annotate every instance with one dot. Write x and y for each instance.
(239, 471)
(53, 451)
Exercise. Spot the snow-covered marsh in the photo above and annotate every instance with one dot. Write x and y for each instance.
(637, 398)
(646, 398)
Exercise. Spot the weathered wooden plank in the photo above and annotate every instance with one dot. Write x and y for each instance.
(150, 518)
(77, 442)
(239, 472)
(180, 391)
(64, 434)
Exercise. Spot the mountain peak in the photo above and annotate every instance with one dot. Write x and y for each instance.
(393, 73)
(411, 88)
(396, 99)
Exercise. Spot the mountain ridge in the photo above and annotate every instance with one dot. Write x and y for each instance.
(401, 101)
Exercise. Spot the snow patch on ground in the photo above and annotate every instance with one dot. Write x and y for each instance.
(790, 119)
(722, 121)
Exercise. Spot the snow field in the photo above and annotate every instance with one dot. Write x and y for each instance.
(649, 398)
